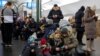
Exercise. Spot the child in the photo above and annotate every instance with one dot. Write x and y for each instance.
(44, 47)
(30, 47)
(56, 42)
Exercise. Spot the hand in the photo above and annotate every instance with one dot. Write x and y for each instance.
(32, 50)
(57, 49)
(66, 47)
(94, 16)
(56, 16)
(53, 16)
(17, 27)
(44, 46)
(32, 44)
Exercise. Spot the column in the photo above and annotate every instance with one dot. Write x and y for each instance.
(38, 10)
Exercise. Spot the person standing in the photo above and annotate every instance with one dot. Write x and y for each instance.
(55, 14)
(90, 27)
(8, 19)
(79, 28)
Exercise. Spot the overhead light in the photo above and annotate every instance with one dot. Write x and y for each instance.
(28, 0)
(45, 1)
(64, 2)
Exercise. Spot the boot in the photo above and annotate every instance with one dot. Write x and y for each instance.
(88, 46)
(92, 45)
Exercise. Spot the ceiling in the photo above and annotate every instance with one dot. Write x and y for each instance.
(47, 4)
(70, 9)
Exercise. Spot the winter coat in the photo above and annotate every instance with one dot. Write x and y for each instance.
(90, 26)
(78, 20)
(55, 11)
(71, 42)
(50, 28)
(54, 42)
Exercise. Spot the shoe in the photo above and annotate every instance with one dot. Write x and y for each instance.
(93, 49)
(10, 45)
(3, 44)
(6, 45)
(89, 50)
(82, 44)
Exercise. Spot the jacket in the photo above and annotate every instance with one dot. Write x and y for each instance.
(90, 25)
(78, 19)
(55, 11)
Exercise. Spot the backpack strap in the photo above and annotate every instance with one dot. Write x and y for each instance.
(2, 18)
(14, 15)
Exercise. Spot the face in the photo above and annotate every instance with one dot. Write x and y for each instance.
(64, 34)
(27, 20)
(57, 36)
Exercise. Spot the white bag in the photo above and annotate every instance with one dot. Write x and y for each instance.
(34, 35)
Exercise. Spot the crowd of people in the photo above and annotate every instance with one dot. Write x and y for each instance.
(51, 38)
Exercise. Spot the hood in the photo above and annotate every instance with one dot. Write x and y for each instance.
(56, 8)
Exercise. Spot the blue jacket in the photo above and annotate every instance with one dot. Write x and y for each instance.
(49, 30)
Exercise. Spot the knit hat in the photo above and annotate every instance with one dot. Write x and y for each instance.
(31, 40)
(43, 41)
(55, 5)
(64, 30)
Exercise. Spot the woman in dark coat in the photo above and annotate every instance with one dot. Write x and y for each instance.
(55, 14)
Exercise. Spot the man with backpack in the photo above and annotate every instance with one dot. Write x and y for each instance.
(8, 18)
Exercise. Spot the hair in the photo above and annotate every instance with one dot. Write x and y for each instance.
(9, 3)
(55, 5)
(82, 8)
(93, 8)
(90, 11)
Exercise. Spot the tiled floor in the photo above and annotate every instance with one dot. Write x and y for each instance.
(17, 47)
(15, 50)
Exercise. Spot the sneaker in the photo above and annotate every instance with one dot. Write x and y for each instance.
(82, 44)
(10, 45)
(2, 43)
(93, 49)
(6, 45)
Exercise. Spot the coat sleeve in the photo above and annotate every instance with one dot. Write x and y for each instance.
(61, 44)
(2, 18)
(74, 43)
(87, 19)
(61, 15)
(14, 16)
(50, 15)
